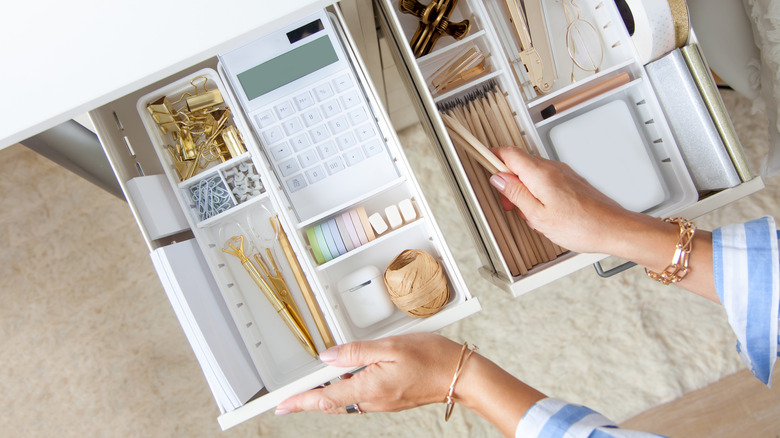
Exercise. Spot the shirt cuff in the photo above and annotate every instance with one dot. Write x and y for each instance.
(551, 417)
(747, 278)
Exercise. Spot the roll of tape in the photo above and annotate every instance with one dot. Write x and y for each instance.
(660, 26)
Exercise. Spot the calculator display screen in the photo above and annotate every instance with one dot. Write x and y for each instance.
(287, 67)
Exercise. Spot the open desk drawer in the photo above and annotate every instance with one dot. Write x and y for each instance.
(259, 343)
(555, 135)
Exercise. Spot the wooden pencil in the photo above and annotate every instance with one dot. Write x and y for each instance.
(491, 213)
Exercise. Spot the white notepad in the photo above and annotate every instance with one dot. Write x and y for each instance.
(203, 315)
(606, 148)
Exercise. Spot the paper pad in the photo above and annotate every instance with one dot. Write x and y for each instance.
(606, 148)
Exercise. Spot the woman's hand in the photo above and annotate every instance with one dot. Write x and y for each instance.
(401, 372)
(559, 203)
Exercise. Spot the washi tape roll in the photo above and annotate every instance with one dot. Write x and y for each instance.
(361, 211)
(345, 237)
(315, 246)
(660, 26)
(353, 234)
(334, 231)
(322, 243)
(334, 251)
(358, 227)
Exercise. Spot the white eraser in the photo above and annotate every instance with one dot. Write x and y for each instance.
(393, 217)
(407, 210)
(377, 223)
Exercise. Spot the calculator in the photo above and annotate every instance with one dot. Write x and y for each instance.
(311, 115)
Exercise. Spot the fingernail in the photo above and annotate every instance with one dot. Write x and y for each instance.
(498, 182)
(330, 355)
(282, 412)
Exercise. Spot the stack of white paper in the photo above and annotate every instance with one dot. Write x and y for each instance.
(203, 315)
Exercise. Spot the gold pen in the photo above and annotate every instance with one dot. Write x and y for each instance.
(280, 286)
(281, 309)
(300, 278)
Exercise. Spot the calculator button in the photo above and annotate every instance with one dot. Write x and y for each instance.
(308, 158)
(315, 174)
(365, 132)
(304, 100)
(334, 165)
(372, 148)
(357, 116)
(342, 83)
(331, 108)
(350, 99)
(296, 183)
(311, 117)
(284, 109)
(323, 91)
(293, 125)
(273, 135)
(339, 124)
(288, 167)
(300, 142)
(319, 133)
(281, 151)
(327, 149)
(346, 141)
(353, 156)
(265, 119)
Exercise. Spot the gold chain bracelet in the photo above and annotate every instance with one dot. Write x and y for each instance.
(461, 363)
(678, 269)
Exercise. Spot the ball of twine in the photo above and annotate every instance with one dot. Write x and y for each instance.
(416, 283)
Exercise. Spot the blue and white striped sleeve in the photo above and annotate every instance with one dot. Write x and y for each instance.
(553, 418)
(747, 279)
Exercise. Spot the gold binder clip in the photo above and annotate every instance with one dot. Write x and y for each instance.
(233, 142)
(199, 125)
(434, 22)
(204, 100)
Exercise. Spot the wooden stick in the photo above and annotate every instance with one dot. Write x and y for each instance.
(508, 115)
(520, 242)
(533, 246)
(490, 210)
(480, 110)
(497, 122)
(474, 147)
(529, 233)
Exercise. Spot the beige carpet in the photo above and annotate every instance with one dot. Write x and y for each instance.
(89, 345)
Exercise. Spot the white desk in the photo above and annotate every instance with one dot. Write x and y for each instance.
(62, 59)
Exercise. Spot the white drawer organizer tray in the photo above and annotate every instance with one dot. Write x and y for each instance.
(632, 154)
(134, 143)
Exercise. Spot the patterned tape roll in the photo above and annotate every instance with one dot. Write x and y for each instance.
(660, 26)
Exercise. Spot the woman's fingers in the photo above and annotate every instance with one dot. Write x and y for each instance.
(356, 354)
(331, 399)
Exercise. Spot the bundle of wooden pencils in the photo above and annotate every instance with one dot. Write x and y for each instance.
(484, 119)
